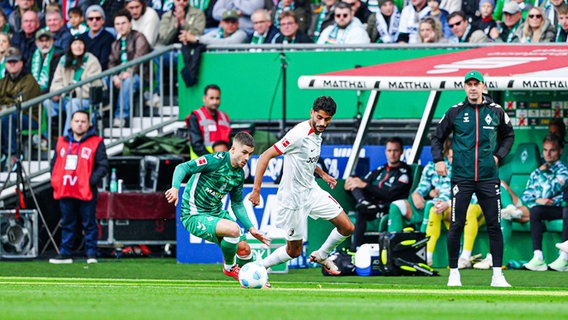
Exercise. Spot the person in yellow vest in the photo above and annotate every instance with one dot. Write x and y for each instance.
(78, 166)
(208, 124)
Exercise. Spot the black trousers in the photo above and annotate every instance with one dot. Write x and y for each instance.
(541, 213)
(489, 197)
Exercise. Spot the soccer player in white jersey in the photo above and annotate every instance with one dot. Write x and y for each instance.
(299, 195)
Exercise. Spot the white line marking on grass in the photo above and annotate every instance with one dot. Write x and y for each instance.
(300, 286)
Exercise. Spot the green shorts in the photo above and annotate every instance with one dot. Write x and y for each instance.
(204, 225)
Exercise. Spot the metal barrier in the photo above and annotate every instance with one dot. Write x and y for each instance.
(38, 143)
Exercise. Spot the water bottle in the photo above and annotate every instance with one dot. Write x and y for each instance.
(113, 181)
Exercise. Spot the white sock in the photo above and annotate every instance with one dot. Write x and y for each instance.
(538, 254)
(564, 255)
(429, 256)
(466, 254)
(276, 257)
(497, 271)
(454, 272)
(332, 241)
(228, 266)
(489, 257)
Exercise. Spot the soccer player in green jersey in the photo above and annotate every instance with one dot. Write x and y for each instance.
(211, 177)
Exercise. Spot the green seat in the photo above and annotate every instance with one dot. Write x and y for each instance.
(564, 156)
(505, 168)
(525, 160)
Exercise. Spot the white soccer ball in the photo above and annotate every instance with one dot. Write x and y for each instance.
(253, 276)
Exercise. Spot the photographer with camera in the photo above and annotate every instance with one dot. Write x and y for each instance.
(378, 189)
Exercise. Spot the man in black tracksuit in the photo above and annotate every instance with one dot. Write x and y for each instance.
(378, 189)
(482, 137)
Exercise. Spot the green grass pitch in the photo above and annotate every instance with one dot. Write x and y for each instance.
(162, 289)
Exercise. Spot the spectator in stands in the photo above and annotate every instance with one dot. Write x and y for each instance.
(322, 17)
(411, 14)
(182, 24)
(536, 28)
(24, 40)
(290, 30)
(486, 22)
(562, 15)
(81, 154)
(264, 31)
(470, 8)
(345, 30)
(45, 59)
(76, 65)
(557, 127)
(543, 196)
(130, 45)
(208, 124)
(383, 26)
(77, 22)
(300, 7)
(512, 19)
(228, 31)
(111, 8)
(551, 10)
(243, 8)
(4, 45)
(16, 81)
(15, 19)
(524, 6)
(144, 20)
(4, 25)
(451, 5)
(430, 31)
(58, 28)
(360, 10)
(463, 31)
(441, 15)
(378, 189)
(98, 40)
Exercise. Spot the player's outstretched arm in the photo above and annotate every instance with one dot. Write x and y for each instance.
(326, 177)
(260, 236)
(261, 166)
(172, 195)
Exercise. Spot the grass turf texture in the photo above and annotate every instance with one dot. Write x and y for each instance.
(161, 288)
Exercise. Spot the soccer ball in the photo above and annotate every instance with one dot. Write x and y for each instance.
(253, 276)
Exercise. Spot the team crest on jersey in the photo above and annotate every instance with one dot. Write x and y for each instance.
(488, 119)
(403, 178)
(86, 153)
(201, 161)
(62, 152)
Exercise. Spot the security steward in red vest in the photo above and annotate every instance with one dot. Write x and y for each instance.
(78, 166)
(208, 124)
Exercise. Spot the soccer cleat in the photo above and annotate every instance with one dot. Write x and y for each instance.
(61, 259)
(499, 281)
(326, 263)
(233, 273)
(563, 246)
(464, 263)
(559, 265)
(267, 285)
(91, 259)
(484, 264)
(454, 280)
(535, 264)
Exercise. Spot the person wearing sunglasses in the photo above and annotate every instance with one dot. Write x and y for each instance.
(345, 30)
(463, 31)
(97, 39)
(537, 28)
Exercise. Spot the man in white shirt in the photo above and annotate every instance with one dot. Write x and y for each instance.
(409, 18)
(144, 20)
(346, 29)
(299, 195)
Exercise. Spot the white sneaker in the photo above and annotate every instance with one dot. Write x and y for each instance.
(91, 259)
(484, 264)
(499, 281)
(563, 246)
(326, 263)
(508, 212)
(536, 264)
(464, 263)
(156, 101)
(454, 280)
(559, 265)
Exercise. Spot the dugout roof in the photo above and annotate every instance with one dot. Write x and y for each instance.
(505, 67)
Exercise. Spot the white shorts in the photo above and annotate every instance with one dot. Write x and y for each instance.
(294, 222)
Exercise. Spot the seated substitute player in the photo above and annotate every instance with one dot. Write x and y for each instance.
(299, 195)
(211, 177)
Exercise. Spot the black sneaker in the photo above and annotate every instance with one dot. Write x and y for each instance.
(366, 207)
(61, 259)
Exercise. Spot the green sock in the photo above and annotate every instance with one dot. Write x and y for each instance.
(241, 261)
(395, 219)
(229, 250)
